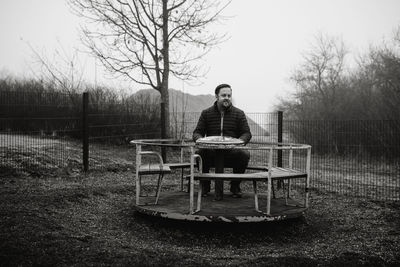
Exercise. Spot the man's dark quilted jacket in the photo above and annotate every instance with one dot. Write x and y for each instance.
(234, 124)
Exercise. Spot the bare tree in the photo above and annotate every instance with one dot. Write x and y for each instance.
(147, 40)
(319, 78)
(63, 70)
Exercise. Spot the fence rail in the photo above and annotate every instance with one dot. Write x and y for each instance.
(357, 158)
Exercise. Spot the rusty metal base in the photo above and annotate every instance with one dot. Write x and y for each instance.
(175, 205)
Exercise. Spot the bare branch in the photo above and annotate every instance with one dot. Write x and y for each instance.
(146, 40)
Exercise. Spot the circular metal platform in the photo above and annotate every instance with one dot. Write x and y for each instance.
(175, 205)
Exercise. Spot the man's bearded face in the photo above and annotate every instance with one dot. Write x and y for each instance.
(224, 97)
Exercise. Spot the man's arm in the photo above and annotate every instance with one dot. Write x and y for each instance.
(200, 130)
(244, 128)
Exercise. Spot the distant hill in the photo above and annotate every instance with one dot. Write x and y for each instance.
(180, 101)
(184, 102)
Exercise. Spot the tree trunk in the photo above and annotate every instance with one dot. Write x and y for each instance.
(164, 83)
(165, 133)
(165, 76)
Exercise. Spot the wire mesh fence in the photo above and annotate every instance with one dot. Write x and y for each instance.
(42, 133)
(357, 158)
(34, 126)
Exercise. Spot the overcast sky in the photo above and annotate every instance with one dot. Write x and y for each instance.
(267, 39)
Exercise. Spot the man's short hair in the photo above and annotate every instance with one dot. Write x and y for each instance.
(219, 87)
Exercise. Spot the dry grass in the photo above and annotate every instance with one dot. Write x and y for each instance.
(69, 218)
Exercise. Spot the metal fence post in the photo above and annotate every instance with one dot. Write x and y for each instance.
(85, 131)
(280, 134)
(163, 132)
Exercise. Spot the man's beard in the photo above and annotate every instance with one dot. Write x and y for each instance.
(226, 104)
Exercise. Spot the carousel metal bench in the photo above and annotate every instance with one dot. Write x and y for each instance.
(265, 173)
(158, 166)
(276, 174)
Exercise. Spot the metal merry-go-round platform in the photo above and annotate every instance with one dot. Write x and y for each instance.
(191, 205)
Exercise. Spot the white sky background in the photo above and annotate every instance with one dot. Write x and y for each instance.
(267, 39)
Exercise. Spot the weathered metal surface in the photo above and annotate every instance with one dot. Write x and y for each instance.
(175, 206)
(213, 218)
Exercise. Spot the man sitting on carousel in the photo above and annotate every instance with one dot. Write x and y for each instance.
(223, 119)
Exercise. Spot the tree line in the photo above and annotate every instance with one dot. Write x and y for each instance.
(38, 107)
(332, 94)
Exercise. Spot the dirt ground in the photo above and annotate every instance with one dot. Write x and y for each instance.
(89, 220)
(60, 216)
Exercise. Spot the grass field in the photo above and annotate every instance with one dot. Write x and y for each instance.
(59, 216)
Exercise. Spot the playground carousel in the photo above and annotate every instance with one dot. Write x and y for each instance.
(169, 174)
